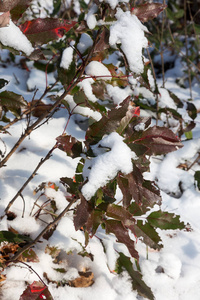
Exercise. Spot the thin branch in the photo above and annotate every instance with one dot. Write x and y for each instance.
(19, 193)
(48, 227)
(74, 82)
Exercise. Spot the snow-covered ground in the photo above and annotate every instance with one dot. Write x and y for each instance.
(173, 273)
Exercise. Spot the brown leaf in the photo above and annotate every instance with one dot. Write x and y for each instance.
(148, 11)
(121, 233)
(7, 5)
(85, 280)
(82, 214)
(5, 19)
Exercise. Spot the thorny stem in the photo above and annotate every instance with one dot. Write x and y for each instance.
(48, 227)
(65, 93)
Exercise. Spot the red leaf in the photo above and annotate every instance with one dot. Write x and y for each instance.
(36, 291)
(159, 140)
(41, 31)
(148, 11)
(70, 145)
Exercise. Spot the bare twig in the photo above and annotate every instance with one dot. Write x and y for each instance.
(19, 193)
(74, 82)
(48, 227)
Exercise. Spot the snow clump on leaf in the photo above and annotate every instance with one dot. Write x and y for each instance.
(129, 32)
(12, 36)
(106, 165)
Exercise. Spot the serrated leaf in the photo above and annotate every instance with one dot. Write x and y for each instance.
(82, 214)
(148, 233)
(70, 145)
(121, 233)
(11, 237)
(138, 284)
(148, 11)
(159, 140)
(165, 220)
(36, 291)
(41, 31)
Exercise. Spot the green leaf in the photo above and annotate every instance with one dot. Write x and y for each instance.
(138, 284)
(94, 220)
(188, 135)
(11, 237)
(148, 233)
(165, 220)
(12, 101)
(197, 178)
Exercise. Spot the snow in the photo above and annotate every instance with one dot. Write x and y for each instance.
(99, 70)
(13, 37)
(67, 57)
(84, 43)
(172, 273)
(106, 165)
(129, 32)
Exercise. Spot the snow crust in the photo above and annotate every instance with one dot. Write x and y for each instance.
(106, 165)
(13, 37)
(129, 32)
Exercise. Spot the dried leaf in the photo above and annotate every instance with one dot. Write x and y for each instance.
(29, 256)
(148, 11)
(85, 280)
